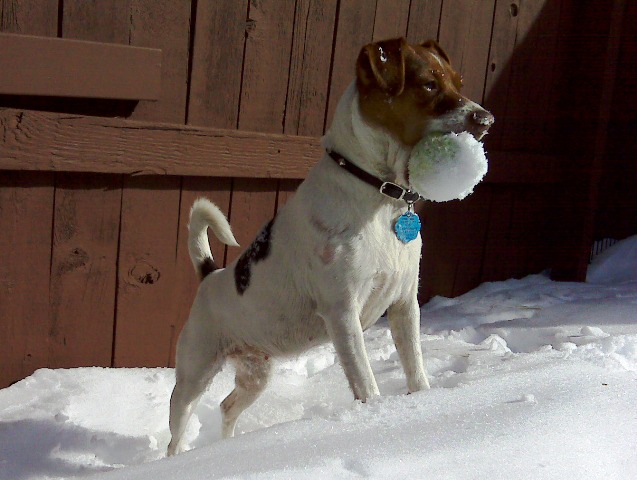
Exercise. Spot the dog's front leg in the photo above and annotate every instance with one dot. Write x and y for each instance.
(404, 323)
(344, 328)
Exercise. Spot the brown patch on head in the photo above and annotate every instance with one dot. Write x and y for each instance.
(403, 87)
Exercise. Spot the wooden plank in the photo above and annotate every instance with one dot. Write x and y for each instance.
(218, 191)
(62, 142)
(617, 207)
(266, 65)
(523, 167)
(69, 68)
(355, 28)
(263, 96)
(215, 69)
(26, 204)
(589, 59)
(465, 31)
(308, 86)
(164, 24)
(453, 234)
(105, 21)
(424, 20)
(146, 272)
(391, 19)
(310, 67)
(524, 39)
(29, 17)
(83, 269)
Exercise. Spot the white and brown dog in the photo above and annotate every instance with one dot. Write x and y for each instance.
(330, 263)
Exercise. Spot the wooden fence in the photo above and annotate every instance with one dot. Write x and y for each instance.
(95, 192)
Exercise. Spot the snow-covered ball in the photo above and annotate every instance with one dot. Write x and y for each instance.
(447, 167)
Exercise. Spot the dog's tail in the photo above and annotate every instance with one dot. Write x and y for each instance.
(204, 214)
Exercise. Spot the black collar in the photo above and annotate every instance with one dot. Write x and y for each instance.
(389, 189)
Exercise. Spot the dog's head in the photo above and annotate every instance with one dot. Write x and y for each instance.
(412, 91)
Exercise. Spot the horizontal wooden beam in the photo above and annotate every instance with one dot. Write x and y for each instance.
(58, 67)
(523, 167)
(31, 140)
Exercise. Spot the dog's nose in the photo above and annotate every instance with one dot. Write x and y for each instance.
(478, 122)
(482, 117)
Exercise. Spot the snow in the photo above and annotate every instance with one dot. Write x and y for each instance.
(531, 379)
(447, 167)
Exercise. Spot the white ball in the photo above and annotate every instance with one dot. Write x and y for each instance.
(447, 167)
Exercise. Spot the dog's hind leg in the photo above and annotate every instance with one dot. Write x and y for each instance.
(253, 370)
(199, 358)
(192, 379)
(404, 323)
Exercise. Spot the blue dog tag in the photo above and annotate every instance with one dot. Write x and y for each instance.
(407, 226)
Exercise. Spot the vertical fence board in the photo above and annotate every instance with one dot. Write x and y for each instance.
(83, 269)
(103, 21)
(29, 17)
(354, 29)
(465, 30)
(146, 305)
(215, 70)
(453, 234)
(391, 19)
(309, 75)
(424, 20)
(310, 67)
(217, 63)
(146, 272)
(263, 96)
(26, 204)
(524, 40)
(164, 24)
(106, 21)
(26, 209)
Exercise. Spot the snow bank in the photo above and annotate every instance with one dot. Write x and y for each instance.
(530, 379)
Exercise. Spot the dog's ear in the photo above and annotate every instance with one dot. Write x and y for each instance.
(383, 64)
(433, 45)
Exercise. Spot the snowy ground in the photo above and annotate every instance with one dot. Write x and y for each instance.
(530, 379)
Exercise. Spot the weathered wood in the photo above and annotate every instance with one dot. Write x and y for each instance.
(165, 25)
(524, 40)
(26, 209)
(392, 17)
(354, 29)
(69, 68)
(523, 167)
(424, 20)
(61, 142)
(310, 67)
(263, 96)
(453, 234)
(465, 31)
(217, 63)
(146, 272)
(84, 269)
(29, 17)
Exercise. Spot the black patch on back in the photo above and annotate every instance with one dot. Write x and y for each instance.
(259, 250)
(207, 267)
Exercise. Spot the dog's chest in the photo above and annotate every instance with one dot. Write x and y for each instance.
(387, 269)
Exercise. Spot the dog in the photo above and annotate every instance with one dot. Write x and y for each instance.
(330, 263)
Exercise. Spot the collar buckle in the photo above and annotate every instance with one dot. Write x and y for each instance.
(393, 190)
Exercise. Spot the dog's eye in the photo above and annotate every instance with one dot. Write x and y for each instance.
(431, 86)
